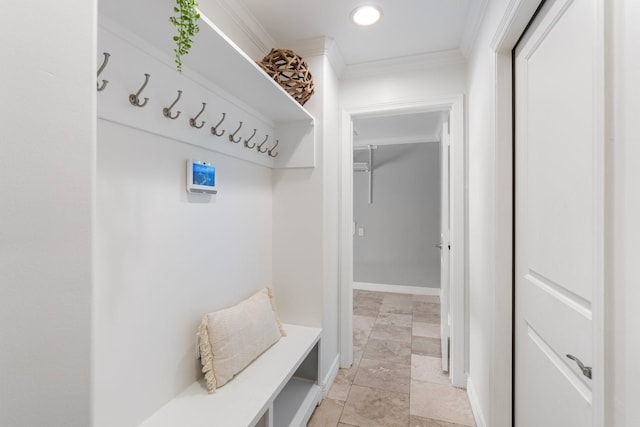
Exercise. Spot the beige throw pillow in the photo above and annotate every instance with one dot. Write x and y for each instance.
(230, 339)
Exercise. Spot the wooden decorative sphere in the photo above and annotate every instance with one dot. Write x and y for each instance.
(291, 72)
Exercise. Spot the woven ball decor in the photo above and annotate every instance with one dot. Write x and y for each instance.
(291, 72)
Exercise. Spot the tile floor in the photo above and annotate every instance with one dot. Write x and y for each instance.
(396, 378)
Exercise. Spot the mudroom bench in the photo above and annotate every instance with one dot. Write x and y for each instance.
(278, 389)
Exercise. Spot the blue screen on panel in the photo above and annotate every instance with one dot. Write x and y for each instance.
(204, 175)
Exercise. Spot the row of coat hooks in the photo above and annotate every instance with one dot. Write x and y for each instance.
(216, 130)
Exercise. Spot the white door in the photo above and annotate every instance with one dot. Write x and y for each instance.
(559, 216)
(444, 243)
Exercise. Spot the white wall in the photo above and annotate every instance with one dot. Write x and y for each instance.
(164, 258)
(402, 225)
(623, 341)
(401, 83)
(305, 218)
(47, 166)
(482, 216)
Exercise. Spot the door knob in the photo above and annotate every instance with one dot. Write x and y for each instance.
(586, 370)
(439, 246)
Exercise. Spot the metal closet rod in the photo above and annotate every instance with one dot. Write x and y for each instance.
(366, 166)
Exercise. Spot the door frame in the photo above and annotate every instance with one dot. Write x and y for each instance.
(458, 264)
(514, 22)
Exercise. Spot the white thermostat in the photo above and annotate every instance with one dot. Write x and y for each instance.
(201, 177)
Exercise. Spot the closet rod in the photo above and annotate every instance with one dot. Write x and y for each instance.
(366, 167)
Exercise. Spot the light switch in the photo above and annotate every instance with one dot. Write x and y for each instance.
(361, 231)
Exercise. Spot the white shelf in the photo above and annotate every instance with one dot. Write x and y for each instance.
(295, 403)
(138, 35)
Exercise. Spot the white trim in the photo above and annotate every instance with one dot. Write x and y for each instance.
(515, 19)
(398, 289)
(418, 139)
(455, 105)
(404, 64)
(328, 379)
(249, 25)
(476, 408)
(320, 46)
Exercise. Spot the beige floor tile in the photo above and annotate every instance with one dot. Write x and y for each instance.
(384, 375)
(440, 402)
(388, 351)
(369, 407)
(426, 307)
(391, 332)
(365, 311)
(427, 298)
(427, 368)
(362, 326)
(395, 319)
(426, 346)
(357, 356)
(426, 317)
(427, 330)
(360, 293)
(327, 414)
(342, 384)
(397, 307)
(397, 299)
(428, 422)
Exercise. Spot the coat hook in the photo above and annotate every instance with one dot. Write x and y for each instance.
(246, 141)
(167, 111)
(134, 99)
(102, 86)
(192, 121)
(214, 129)
(270, 152)
(232, 135)
(259, 147)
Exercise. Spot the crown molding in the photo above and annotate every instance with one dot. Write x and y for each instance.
(246, 22)
(413, 62)
(321, 46)
(472, 26)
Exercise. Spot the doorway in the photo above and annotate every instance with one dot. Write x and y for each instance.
(457, 315)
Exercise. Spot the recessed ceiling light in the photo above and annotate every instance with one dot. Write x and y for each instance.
(366, 15)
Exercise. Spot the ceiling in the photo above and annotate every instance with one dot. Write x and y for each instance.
(407, 27)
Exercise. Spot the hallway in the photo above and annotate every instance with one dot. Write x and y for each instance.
(396, 378)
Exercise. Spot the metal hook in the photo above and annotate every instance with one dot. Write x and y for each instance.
(246, 141)
(167, 111)
(270, 151)
(214, 129)
(259, 147)
(102, 86)
(192, 121)
(232, 135)
(134, 99)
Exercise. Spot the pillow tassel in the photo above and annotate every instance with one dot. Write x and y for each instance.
(207, 356)
(273, 306)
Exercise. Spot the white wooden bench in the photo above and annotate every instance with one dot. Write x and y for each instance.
(278, 389)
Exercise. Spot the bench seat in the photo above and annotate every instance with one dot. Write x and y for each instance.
(266, 393)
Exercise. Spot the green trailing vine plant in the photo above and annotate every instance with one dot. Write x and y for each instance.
(185, 23)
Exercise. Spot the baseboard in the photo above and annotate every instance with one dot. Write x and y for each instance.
(331, 376)
(399, 289)
(475, 404)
